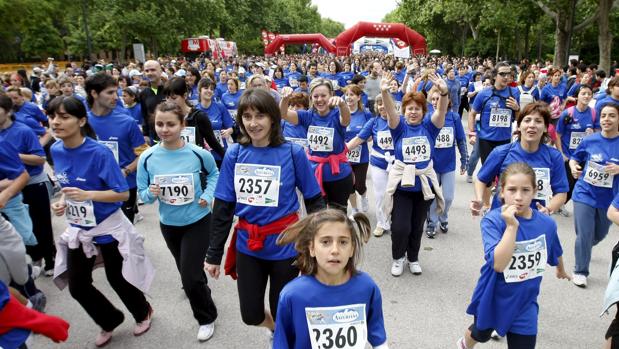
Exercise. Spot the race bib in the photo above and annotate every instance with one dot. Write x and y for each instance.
(335, 84)
(113, 146)
(596, 175)
(320, 138)
(257, 185)
(232, 113)
(176, 189)
(217, 134)
(542, 181)
(528, 261)
(500, 117)
(188, 134)
(293, 82)
(80, 213)
(416, 149)
(337, 327)
(300, 141)
(445, 138)
(384, 140)
(354, 155)
(576, 138)
(398, 107)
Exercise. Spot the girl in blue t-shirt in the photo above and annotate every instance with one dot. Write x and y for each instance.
(552, 187)
(595, 164)
(93, 189)
(554, 93)
(326, 133)
(412, 179)
(257, 180)
(330, 287)
(182, 176)
(518, 244)
(221, 121)
(131, 101)
(358, 157)
(575, 123)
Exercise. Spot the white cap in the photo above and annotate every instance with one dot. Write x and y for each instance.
(180, 73)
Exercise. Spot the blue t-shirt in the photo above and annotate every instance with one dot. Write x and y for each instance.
(549, 92)
(547, 162)
(31, 110)
(280, 83)
(121, 134)
(295, 133)
(26, 142)
(454, 93)
(327, 124)
(357, 120)
(414, 144)
(289, 165)
(444, 156)
(11, 166)
(91, 166)
(231, 101)
(304, 292)
(220, 120)
(580, 122)
(221, 89)
(601, 151)
(615, 202)
(293, 79)
(194, 95)
(161, 161)
(382, 142)
(344, 78)
(490, 99)
(599, 104)
(136, 113)
(511, 307)
(335, 82)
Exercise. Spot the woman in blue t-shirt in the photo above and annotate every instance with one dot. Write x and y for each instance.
(182, 176)
(596, 165)
(518, 244)
(258, 177)
(326, 133)
(93, 188)
(221, 121)
(554, 93)
(412, 179)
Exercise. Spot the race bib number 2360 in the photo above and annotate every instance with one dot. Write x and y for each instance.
(337, 327)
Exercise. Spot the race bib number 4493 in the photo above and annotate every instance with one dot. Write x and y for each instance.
(257, 185)
(416, 149)
(337, 327)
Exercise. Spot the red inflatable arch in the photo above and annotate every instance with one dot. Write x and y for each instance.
(344, 41)
(291, 39)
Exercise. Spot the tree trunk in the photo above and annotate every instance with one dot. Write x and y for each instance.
(605, 37)
(539, 43)
(518, 47)
(561, 43)
(527, 29)
(498, 45)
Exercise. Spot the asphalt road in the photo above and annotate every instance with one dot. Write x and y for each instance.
(426, 311)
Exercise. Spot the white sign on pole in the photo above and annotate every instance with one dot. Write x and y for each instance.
(138, 52)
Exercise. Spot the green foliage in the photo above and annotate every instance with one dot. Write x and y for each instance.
(33, 29)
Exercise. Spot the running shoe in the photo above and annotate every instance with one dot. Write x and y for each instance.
(579, 280)
(469, 179)
(443, 226)
(460, 344)
(36, 271)
(378, 232)
(397, 267)
(49, 272)
(365, 204)
(144, 325)
(206, 332)
(103, 338)
(495, 335)
(430, 231)
(564, 212)
(139, 217)
(414, 267)
(39, 301)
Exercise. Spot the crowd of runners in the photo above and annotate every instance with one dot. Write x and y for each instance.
(220, 145)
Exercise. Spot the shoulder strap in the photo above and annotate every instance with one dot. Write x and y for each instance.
(202, 167)
(146, 168)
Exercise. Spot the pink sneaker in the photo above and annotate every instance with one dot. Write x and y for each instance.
(103, 338)
(144, 325)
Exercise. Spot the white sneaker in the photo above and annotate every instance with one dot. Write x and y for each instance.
(397, 267)
(579, 280)
(495, 336)
(36, 271)
(378, 232)
(139, 217)
(206, 332)
(469, 179)
(365, 204)
(415, 268)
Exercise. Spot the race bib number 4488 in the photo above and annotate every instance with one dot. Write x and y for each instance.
(337, 327)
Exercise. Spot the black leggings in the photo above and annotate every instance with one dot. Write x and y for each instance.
(37, 198)
(130, 206)
(360, 172)
(571, 181)
(514, 340)
(486, 147)
(409, 213)
(337, 192)
(613, 331)
(253, 274)
(188, 245)
(100, 309)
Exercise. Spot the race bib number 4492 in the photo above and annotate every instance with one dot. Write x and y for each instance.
(257, 185)
(320, 138)
(337, 327)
